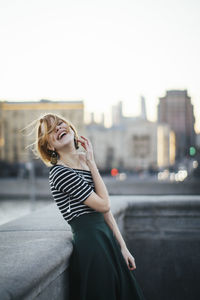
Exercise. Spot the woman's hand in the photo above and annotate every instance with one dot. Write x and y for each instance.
(86, 144)
(130, 260)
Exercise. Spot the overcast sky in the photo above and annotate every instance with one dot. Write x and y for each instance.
(100, 51)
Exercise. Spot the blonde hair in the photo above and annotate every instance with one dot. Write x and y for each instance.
(42, 135)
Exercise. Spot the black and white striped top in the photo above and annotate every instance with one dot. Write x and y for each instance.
(70, 188)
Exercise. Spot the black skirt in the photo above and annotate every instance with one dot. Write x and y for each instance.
(98, 270)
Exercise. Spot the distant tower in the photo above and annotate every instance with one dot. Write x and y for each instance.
(143, 108)
(176, 110)
(92, 118)
(117, 113)
(102, 119)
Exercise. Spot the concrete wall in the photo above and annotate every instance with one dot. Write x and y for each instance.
(162, 233)
(12, 188)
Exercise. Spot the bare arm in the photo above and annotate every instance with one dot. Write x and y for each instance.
(98, 200)
(100, 187)
(130, 260)
(108, 217)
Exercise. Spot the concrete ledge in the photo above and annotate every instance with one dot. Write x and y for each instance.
(34, 252)
(35, 249)
(12, 188)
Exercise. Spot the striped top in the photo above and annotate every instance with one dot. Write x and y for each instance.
(70, 188)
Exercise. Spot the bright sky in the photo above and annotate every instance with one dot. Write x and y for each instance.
(100, 51)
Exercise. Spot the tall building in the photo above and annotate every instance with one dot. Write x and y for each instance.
(117, 113)
(15, 116)
(176, 109)
(143, 109)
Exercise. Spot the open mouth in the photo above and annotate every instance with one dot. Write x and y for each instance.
(61, 135)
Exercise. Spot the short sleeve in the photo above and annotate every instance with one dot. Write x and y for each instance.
(68, 181)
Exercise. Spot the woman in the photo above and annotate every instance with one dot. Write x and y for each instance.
(100, 264)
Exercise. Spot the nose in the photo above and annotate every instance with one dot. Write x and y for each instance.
(58, 127)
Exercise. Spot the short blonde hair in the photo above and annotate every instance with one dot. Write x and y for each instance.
(42, 135)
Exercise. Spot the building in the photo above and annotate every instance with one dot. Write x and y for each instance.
(132, 143)
(17, 115)
(198, 140)
(176, 110)
(117, 113)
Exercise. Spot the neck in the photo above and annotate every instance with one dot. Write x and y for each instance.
(69, 157)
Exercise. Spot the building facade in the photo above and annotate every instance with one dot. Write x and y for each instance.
(15, 116)
(176, 109)
(132, 143)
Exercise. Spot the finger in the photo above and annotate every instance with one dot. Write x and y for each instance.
(132, 268)
(83, 145)
(85, 139)
(82, 138)
(82, 141)
(132, 264)
(127, 262)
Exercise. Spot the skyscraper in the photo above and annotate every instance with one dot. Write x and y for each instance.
(176, 109)
(143, 109)
(117, 113)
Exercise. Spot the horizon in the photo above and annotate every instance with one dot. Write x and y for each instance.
(101, 52)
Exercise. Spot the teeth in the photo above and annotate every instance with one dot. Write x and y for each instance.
(63, 133)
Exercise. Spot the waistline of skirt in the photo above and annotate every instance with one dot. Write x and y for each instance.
(86, 220)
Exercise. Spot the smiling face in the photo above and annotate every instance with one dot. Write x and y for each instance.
(60, 136)
(54, 133)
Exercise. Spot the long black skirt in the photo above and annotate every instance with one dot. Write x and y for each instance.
(97, 269)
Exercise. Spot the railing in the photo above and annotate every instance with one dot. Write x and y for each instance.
(162, 233)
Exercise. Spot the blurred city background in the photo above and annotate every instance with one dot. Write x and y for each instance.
(134, 155)
(125, 73)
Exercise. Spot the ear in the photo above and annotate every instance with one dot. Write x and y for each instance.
(50, 148)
